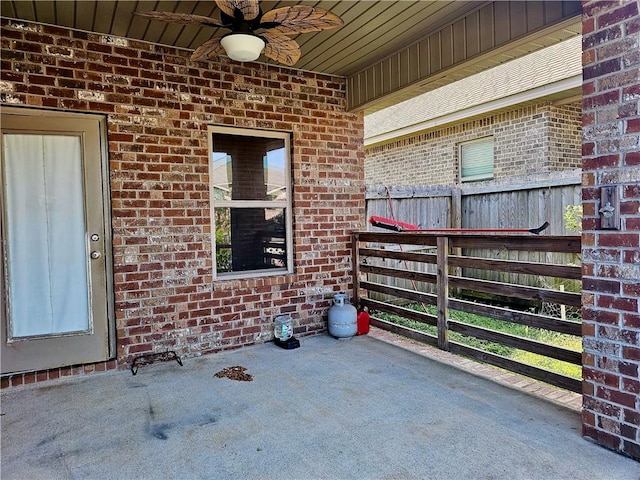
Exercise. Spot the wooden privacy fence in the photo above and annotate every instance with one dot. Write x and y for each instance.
(524, 202)
(378, 256)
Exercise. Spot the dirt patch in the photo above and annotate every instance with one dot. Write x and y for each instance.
(235, 373)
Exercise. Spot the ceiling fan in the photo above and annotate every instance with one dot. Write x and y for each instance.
(254, 32)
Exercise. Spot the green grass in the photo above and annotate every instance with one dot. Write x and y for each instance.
(545, 336)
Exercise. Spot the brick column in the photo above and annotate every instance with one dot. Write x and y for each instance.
(611, 258)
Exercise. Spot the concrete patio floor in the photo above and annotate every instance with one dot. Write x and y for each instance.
(360, 408)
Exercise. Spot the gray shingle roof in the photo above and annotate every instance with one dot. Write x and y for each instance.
(544, 67)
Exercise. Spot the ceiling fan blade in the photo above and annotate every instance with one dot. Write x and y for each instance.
(300, 19)
(182, 18)
(208, 50)
(280, 48)
(249, 8)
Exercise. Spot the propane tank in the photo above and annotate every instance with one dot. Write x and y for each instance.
(363, 321)
(343, 317)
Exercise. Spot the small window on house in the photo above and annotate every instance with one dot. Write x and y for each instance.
(250, 202)
(476, 160)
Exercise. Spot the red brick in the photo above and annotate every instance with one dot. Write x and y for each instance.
(17, 380)
(618, 303)
(603, 378)
(631, 416)
(40, 80)
(632, 449)
(27, 47)
(590, 223)
(54, 30)
(588, 329)
(600, 285)
(633, 125)
(600, 406)
(633, 26)
(15, 34)
(591, 9)
(588, 118)
(31, 89)
(603, 161)
(631, 353)
(59, 72)
(616, 396)
(611, 239)
(101, 107)
(630, 93)
(631, 191)
(11, 76)
(99, 67)
(629, 208)
(603, 438)
(589, 193)
(99, 47)
(631, 320)
(619, 15)
(629, 369)
(588, 418)
(588, 148)
(600, 100)
(140, 348)
(631, 385)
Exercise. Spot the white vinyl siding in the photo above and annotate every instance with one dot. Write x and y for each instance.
(476, 160)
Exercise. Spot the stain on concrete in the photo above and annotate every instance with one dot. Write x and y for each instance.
(160, 431)
(47, 440)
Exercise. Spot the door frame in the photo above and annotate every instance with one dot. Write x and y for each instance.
(101, 121)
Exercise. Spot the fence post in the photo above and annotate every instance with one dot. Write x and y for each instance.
(456, 208)
(355, 265)
(443, 293)
(456, 222)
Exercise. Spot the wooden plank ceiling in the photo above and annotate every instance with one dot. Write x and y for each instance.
(373, 30)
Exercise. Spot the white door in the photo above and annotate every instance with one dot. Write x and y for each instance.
(55, 244)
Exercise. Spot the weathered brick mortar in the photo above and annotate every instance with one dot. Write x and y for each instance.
(158, 105)
(611, 290)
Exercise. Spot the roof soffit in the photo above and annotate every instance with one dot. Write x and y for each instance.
(489, 36)
(379, 37)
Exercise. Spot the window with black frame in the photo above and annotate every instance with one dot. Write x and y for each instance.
(250, 196)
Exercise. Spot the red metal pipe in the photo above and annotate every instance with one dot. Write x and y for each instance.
(398, 226)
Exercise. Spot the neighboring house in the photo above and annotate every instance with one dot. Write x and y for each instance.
(514, 120)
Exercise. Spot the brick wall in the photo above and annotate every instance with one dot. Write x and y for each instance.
(158, 106)
(534, 139)
(564, 140)
(611, 289)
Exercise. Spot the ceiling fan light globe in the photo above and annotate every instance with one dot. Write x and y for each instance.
(242, 47)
